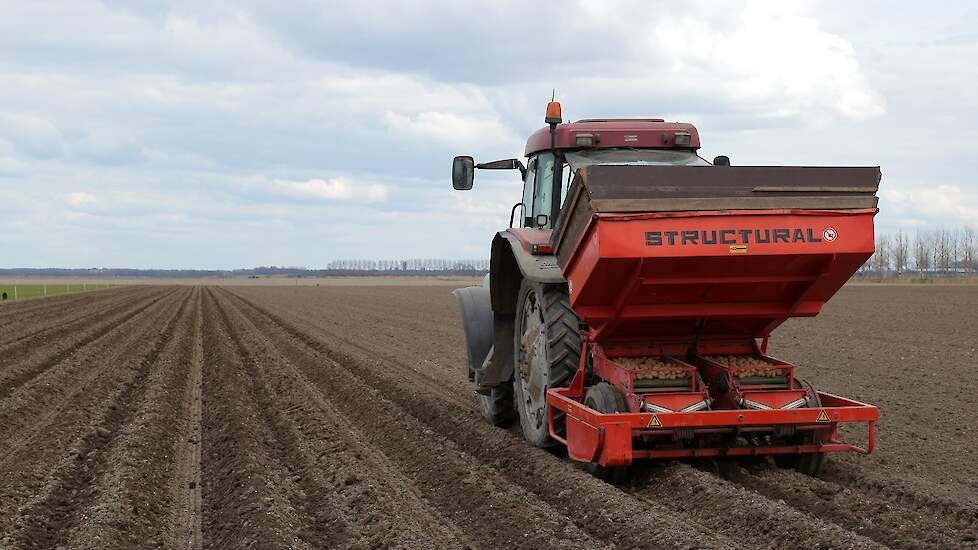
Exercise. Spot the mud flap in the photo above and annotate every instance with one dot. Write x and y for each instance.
(610, 445)
(477, 322)
(617, 445)
(583, 440)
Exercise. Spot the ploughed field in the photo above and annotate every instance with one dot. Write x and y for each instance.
(338, 417)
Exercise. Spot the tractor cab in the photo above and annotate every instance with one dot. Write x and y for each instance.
(555, 153)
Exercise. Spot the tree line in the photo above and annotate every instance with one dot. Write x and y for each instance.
(940, 251)
(413, 266)
(422, 265)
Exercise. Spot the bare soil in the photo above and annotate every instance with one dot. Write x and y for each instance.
(339, 417)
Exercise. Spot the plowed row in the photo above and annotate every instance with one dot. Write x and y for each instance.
(339, 417)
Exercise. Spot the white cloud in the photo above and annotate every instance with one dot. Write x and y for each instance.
(460, 130)
(933, 205)
(768, 59)
(217, 133)
(33, 134)
(335, 189)
(80, 199)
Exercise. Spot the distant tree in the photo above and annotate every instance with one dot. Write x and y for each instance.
(921, 251)
(969, 248)
(942, 250)
(901, 252)
(881, 259)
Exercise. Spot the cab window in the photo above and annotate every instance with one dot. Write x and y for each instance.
(543, 189)
(531, 171)
(537, 189)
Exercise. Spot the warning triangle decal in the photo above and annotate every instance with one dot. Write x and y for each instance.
(822, 416)
(654, 422)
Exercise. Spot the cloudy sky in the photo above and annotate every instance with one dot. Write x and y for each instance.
(241, 133)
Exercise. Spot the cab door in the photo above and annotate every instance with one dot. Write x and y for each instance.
(537, 192)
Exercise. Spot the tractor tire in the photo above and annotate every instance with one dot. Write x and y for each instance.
(806, 463)
(497, 407)
(604, 397)
(547, 350)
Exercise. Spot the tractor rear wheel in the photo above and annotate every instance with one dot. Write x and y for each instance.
(547, 349)
(604, 397)
(497, 406)
(806, 463)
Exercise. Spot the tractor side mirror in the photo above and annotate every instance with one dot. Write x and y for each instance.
(722, 160)
(463, 172)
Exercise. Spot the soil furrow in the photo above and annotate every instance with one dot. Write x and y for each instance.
(245, 491)
(598, 508)
(291, 417)
(756, 520)
(51, 512)
(18, 373)
(447, 389)
(922, 380)
(184, 519)
(396, 309)
(24, 310)
(331, 475)
(962, 515)
(28, 412)
(35, 324)
(304, 485)
(892, 522)
(64, 323)
(129, 498)
(338, 335)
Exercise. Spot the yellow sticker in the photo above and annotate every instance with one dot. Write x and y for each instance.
(738, 249)
(822, 416)
(654, 422)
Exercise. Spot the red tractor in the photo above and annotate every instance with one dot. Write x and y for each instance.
(627, 316)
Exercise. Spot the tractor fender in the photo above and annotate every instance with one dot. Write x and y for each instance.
(510, 263)
(473, 303)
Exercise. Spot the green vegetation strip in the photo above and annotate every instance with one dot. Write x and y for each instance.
(27, 292)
